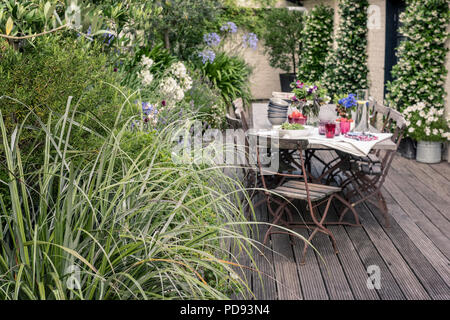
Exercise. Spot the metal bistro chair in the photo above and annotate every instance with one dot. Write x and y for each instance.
(300, 189)
(366, 175)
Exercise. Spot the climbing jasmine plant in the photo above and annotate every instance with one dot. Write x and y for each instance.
(346, 66)
(420, 73)
(317, 42)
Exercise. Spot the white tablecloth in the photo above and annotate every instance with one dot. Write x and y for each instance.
(355, 147)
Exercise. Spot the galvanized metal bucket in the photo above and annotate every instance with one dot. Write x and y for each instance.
(429, 152)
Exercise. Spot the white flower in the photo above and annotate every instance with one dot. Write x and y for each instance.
(178, 70)
(146, 77)
(147, 62)
(411, 130)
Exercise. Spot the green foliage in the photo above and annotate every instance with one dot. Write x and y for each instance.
(426, 124)
(230, 75)
(180, 24)
(346, 67)
(44, 76)
(317, 42)
(420, 73)
(249, 19)
(123, 225)
(130, 64)
(30, 17)
(206, 102)
(283, 38)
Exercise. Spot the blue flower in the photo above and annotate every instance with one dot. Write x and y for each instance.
(212, 39)
(229, 27)
(349, 101)
(250, 40)
(147, 108)
(207, 56)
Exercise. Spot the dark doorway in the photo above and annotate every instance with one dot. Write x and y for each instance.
(393, 37)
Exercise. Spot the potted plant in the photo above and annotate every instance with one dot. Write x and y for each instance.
(345, 107)
(429, 128)
(308, 97)
(283, 42)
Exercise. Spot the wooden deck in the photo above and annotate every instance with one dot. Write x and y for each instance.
(413, 254)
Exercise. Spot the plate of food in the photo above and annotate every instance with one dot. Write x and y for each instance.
(295, 130)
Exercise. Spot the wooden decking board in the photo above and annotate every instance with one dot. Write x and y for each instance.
(366, 250)
(313, 285)
(332, 272)
(423, 173)
(442, 168)
(436, 200)
(430, 279)
(419, 202)
(400, 270)
(416, 217)
(369, 255)
(353, 266)
(264, 285)
(286, 269)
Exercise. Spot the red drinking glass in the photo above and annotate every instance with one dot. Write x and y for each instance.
(330, 130)
(345, 126)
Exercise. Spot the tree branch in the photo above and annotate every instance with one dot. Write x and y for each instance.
(33, 35)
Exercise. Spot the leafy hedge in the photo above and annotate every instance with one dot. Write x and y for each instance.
(346, 67)
(44, 76)
(419, 75)
(317, 43)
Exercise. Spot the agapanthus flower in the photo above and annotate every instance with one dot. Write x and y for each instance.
(229, 27)
(147, 108)
(250, 40)
(207, 56)
(212, 39)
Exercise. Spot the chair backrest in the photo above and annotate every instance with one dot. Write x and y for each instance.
(301, 145)
(233, 123)
(239, 110)
(393, 122)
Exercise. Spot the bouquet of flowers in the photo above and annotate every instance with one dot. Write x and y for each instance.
(309, 97)
(345, 105)
(426, 124)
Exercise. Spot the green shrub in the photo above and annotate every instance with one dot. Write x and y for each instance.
(420, 74)
(206, 102)
(230, 75)
(283, 38)
(134, 226)
(44, 76)
(346, 67)
(317, 42)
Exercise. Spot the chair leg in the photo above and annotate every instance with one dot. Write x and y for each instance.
(278, 214)
(384, 209)
(305, 246)
(348, 206)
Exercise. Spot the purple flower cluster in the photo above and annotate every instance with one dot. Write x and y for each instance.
(148, 109)
(212, 39)
(312, 89)
(229, 27)
(250, 40)
(207, 56)
(349, 101)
